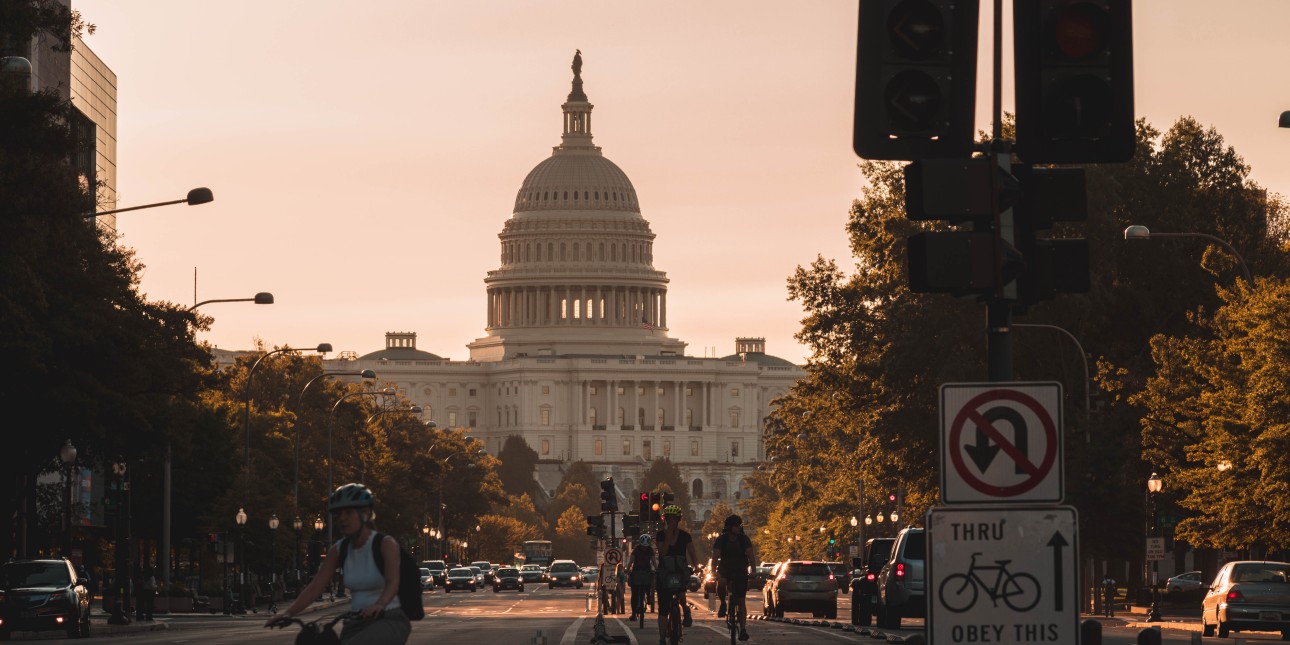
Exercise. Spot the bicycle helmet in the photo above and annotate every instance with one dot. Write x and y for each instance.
(646, 540)
(672, 510)
(351, 496)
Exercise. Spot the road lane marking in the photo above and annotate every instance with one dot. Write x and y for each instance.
(631, 636)
(571, 634)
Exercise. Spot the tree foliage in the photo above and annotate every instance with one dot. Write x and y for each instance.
(518, 463)
(864, 421)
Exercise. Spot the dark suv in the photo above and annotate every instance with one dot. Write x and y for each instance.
(864, 580)
(38, 595)
(900, 584)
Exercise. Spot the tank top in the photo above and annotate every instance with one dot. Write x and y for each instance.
(363, 578)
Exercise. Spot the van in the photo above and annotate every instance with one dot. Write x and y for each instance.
(864, 580)
(900, 584)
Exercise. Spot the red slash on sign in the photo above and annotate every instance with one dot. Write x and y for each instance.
(982, 412)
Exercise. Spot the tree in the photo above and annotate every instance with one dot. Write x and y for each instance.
(117, 374)
(572, 496)
(571, 539)
(867, 409)
(715, 523)
(519, 462)
(499, 537)
(521, 508)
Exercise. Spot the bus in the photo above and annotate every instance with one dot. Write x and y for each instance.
(537, 552)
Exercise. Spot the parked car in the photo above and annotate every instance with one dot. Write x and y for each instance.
(900, 583)
(864, 580)
(564, 573)
(758, 577)
(1185, 582)
(438, 570)
(462, 579)
(802, 585)
(507, 578)
(532, 573)
(41, 595)
(1248, 595)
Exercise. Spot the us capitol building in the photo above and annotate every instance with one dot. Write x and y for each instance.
(577, 359)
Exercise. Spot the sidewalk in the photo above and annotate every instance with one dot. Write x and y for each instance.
(1171, 617)
(99, 625)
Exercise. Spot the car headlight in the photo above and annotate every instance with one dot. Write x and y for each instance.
(575, 577)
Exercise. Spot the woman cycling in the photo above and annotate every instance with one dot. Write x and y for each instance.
(676, 548)
(373, 596)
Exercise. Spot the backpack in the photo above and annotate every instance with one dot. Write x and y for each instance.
(734, 557)
(409, 575)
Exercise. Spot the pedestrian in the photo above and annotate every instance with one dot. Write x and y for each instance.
(147, 599)
(1108, 597)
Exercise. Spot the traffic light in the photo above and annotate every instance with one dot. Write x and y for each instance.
(596, 525)
(667, 500)
(632, 525)
(979, 261)
(656, 506)
(643, 510)
(608, 497)
(1052, 266)
(213, 542)
(915, 79)
(1074, 80)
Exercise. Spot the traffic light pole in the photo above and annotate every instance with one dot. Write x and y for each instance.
(999, 311)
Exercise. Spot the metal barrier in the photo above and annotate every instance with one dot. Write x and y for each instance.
(1090, 632)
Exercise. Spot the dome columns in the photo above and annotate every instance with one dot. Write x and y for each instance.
(566, 305)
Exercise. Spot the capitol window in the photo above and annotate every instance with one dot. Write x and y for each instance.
(620, 416)
(593, 390)
(734, 448)
(546, 415)
(734, 393)
(694, 447)
(689, 391)
(591, 416)
(546, 389)
(472, 391)
(599, 447)
(627, 447)
(667, 447)
(452, 391)
(546, 447)
(734, 418)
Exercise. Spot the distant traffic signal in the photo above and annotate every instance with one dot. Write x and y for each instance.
(608, 496)
(1074, 80)
(643, 510)
(631, 526)
(596, 526)
(656, 505)
(915, 79)
(1052, 266)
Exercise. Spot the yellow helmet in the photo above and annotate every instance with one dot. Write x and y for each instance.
(672, 510)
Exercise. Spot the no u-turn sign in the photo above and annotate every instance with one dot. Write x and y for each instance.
(1001, 442)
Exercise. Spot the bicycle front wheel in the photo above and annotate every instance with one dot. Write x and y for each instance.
(674, 623)
(1021, 592)
(958, 593)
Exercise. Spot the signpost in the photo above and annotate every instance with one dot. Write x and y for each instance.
(1001, 442)
(613, 555)
(1003, 574)
(1155, 549)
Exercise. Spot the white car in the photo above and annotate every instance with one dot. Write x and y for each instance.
(427, 579)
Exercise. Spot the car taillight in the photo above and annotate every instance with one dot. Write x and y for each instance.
(1235, 595)
(871, 577)
(900, 570)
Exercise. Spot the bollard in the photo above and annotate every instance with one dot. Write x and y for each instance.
(538, 639)
(1149, 636)
(598, 632)
(1090, 632)
(1195, 638)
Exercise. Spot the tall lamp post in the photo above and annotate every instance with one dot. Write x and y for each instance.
(239, 607)
(273, 570)
(261, 298)
(68, 455)
(855, 524)
(295, 478)
(297, 524)
(195, 197)
(121, 569)
(322, 348)
(1154, 485)
(1139, 232)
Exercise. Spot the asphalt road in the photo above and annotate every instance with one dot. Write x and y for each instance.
(561, 617)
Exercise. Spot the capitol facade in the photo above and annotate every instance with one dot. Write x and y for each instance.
(577, 359)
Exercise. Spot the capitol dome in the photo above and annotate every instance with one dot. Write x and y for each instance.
(576, 180)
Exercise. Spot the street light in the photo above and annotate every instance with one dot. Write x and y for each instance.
(1087, 408)
(273, 572)
(239, 607)
(1154, 485)
(68, 455)
(297, 523)
(331, 423)
(1139, 232)
(1284, 121)
(322, 348)
(195, 196)
(262, 298)
(295, 477)
(121, 568)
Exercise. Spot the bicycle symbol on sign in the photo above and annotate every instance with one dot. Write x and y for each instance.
(1020, 591)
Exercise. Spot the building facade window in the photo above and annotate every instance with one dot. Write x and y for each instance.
(694, 447)
(621, 390)
(546, 389)
(452, 391)
(658, 418)
(734, 418)
(546, 447)
(594, 390)
(546, 415)
(689, 417)
(640, 416)
(667, 448)
(640, 391)
(734, 448)
(599, 445)
(473, 418)
(591, 416)
(689, 391)
(472, 391)
(627, 447)
(734, 393)
(452, 419)
(647, 449)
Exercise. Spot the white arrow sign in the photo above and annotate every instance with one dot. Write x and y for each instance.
(1003, 574)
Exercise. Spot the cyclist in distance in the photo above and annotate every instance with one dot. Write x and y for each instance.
(733, 553)
(676, 544)
(641, 565)
(374, 597)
